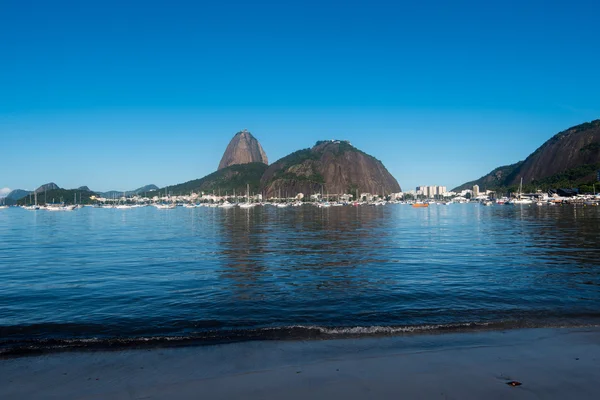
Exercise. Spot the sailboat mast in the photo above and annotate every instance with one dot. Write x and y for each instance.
(520, 188)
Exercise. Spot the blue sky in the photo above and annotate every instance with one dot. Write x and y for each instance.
(116, 96)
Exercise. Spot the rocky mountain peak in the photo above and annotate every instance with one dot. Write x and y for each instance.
(244, 148)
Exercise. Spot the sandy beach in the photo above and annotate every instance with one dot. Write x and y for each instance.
(550, 364)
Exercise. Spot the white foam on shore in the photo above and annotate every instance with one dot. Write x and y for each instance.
(373, 330)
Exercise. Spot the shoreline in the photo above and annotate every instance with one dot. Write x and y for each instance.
(24, 347)
(549, 362)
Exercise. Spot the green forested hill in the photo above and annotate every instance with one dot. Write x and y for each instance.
(225, 180)
(58, 196)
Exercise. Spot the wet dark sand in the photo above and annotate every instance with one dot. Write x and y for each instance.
(550, 364)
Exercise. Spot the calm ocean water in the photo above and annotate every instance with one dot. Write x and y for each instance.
(107, 277)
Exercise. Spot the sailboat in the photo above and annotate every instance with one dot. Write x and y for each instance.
(226, 203)
(165, 205)
(247, 204)
(593, 201)
(123, 206)
(32, 207)
(519, 199)
(284, 204)
(326, 203)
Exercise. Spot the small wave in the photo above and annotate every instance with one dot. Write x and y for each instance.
(17, 347)
(382, 330)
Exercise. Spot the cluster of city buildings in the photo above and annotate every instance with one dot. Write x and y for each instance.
(441, 192)
(431, 191)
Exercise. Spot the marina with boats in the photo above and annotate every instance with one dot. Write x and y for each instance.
(165, 200)
(168, 202)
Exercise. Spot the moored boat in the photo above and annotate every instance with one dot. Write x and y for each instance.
(165, 206)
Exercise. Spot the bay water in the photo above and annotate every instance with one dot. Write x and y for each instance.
(108, 277)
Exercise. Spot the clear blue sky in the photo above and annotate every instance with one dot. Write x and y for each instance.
(116, 94)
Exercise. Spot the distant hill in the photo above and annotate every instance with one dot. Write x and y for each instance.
(15, 195)
(496, 178)
(334, 166)
(60, 195)
(226, 180)
(570, 158)
(47, 187)
(116, 193)
(243, 149)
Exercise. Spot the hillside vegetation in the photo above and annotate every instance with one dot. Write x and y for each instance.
(225, 180)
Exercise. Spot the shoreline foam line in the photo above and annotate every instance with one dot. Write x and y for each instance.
(16, 347)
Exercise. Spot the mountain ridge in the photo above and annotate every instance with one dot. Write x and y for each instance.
(569, 158)
(116, 193)
(333, 166)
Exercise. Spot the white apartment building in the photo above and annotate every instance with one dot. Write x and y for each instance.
(431, 191)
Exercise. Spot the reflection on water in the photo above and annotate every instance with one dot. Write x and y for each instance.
(169, 272)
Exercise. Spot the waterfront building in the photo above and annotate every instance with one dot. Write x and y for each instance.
(346, 197)
(431, 191)
(366, 196)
